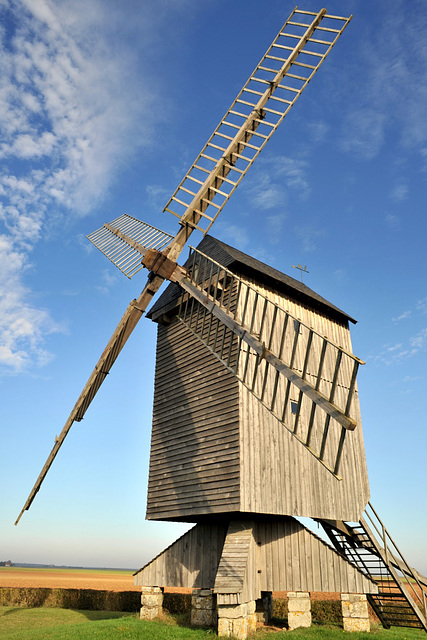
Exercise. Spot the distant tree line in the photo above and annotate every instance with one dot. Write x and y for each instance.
(6, 563)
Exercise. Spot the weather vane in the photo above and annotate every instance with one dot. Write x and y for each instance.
(302, 269)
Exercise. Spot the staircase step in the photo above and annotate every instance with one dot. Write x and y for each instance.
(362, 550)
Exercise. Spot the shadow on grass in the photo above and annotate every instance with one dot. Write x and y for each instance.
(89, 615)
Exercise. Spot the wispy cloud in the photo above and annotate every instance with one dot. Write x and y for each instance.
(275, 227)
(412, 336)
(392, 222)
(310, 237)
(419, 341)
(364, 132)
(402, 316)
(422, 306)
(399, 192)
(68, 116)
(279, 176)
(23, 326)
(237, 236)
(393, 60)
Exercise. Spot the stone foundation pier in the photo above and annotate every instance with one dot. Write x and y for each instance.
(355, 615)
(237, 621)
(203, 608)
(151, 603)
(299, 609)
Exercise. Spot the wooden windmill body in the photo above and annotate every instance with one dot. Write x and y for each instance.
(217, 449)
(256, 415)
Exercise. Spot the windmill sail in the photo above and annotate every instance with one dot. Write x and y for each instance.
(289, 64)
(283, 73)
(274, 354)
(125, 239)
(116, 343)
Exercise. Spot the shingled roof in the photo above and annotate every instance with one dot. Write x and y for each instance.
(236, 260)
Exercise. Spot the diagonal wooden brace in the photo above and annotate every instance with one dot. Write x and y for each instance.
(333, 411)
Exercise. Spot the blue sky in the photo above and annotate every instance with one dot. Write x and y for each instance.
(103, 107)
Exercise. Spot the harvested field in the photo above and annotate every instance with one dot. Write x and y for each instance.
(108, 580)
(67, 579)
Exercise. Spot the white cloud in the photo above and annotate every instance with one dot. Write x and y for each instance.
(364, 132)
(237, 236)
(422, 306)
(419, 341)
(275, 227)
(410, 345)
(310, 237)
(392, 222)
(318, 130)
(403, 316)
(393, 62)
(279, 176)
(158, 196)
(399, 192)
(69, 119)
(340, 276)
(23, 326)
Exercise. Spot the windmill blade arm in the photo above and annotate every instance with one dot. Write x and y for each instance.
(116, 343)
(299, 375)
(289, 64)
(333, 411)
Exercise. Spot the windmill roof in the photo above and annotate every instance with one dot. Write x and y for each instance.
(230, 257)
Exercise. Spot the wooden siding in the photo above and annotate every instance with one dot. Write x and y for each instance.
(279, 475)
(194, 461)
(292, 558)
(242, 558)
(191, 561)
(237, 577)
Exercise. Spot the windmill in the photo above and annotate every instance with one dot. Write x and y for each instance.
(262, 367)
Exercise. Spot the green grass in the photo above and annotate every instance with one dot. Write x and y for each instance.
(330, 632)
(66, 624)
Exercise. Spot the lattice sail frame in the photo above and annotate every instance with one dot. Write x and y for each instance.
(126, 256)
(276, 356)
(272, 89)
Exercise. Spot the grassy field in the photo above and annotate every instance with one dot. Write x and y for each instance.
(65, 624)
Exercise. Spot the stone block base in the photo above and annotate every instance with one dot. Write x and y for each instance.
(237, 621)
(203, 608)
(355, 615)
(299, 609)
(151, 603)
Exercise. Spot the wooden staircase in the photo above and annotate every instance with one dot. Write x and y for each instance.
(401, 598)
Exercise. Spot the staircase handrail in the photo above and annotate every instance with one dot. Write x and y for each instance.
(394, 562)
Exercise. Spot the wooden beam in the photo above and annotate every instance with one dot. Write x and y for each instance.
(260, 348)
